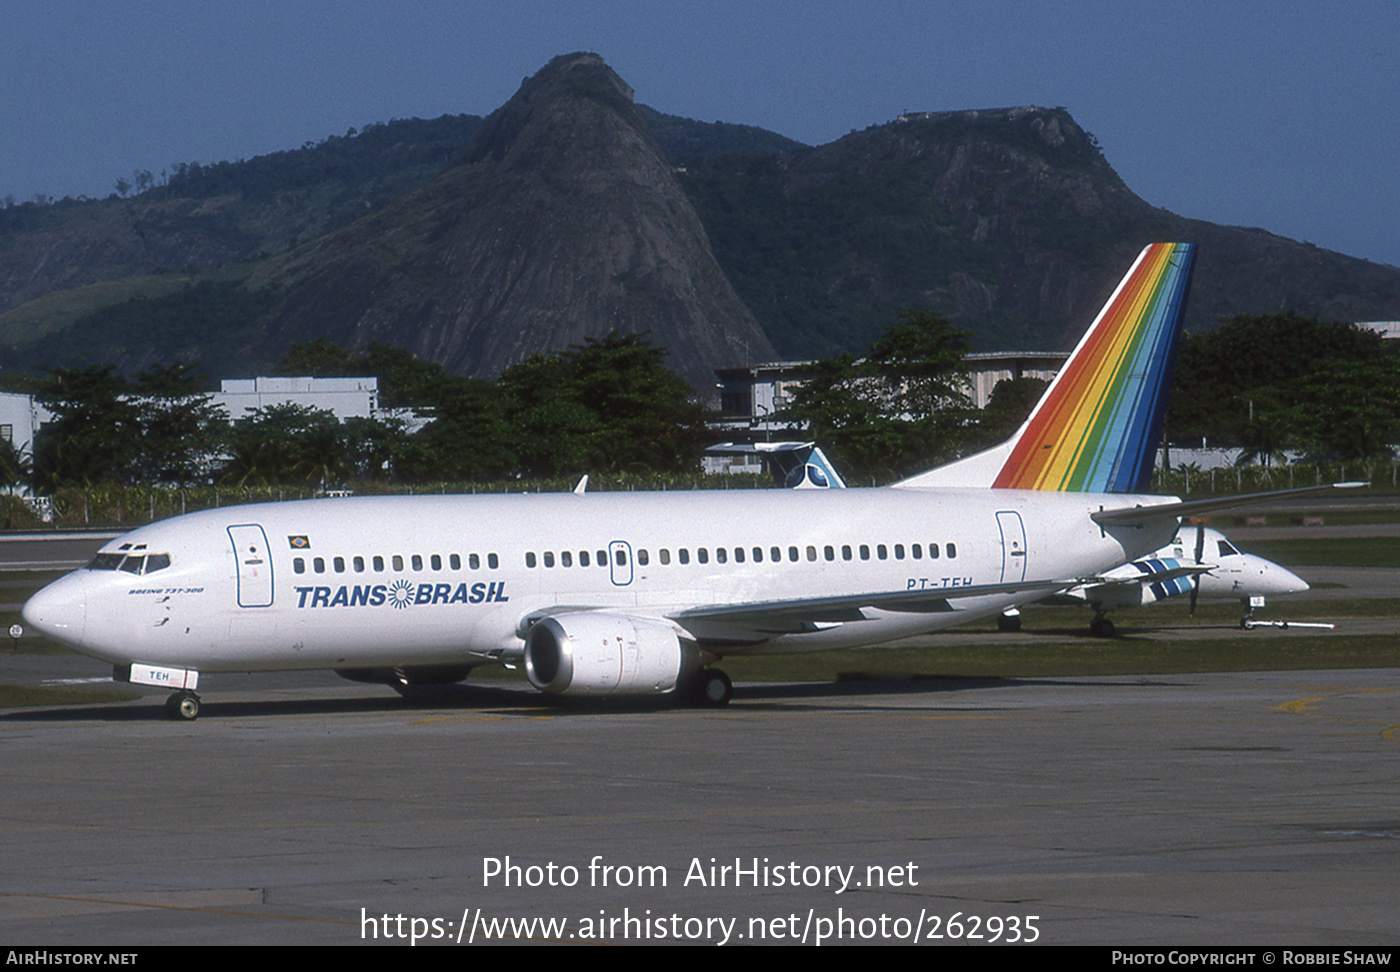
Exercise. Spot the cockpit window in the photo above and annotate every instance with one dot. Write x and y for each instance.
(131, 564)
(1226, 550)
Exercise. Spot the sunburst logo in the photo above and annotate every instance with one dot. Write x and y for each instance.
(401, 594)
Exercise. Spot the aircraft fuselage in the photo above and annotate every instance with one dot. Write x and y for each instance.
(355, 582)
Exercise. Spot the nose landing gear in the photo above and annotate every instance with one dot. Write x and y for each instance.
(182, 705)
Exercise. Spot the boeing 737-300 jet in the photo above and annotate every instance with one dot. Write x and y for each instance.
(614, 593)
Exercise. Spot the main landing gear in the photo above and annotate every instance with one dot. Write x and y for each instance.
(713, 688)
(182, 705)
(1101, 627)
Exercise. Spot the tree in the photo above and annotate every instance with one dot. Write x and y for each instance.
(553, 430)
(468, 438)
(1007, 409)
(319, 359)
(285, 444)
(642, 412)
(15, 467)
(1282, 381)
(183, 431)
(95, 434)
(901, 408)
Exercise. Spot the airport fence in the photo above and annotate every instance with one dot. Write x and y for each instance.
(119, 506)
(1189, 480)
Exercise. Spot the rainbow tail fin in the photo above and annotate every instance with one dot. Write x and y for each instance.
(1097, 426)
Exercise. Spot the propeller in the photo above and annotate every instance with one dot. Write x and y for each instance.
(1200, 550)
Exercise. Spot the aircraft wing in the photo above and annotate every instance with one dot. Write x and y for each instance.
(806, 614)
(1150, 574)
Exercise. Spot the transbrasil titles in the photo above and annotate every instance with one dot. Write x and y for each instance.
(400, 594)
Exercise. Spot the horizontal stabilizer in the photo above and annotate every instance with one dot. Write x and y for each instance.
(1143, 515)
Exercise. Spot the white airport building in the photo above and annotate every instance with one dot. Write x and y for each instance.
(346, 397)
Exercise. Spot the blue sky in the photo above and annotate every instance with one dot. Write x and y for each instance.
(1279, 115)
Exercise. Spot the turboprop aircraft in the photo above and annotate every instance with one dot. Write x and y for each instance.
(640, 593)
(1199, 562)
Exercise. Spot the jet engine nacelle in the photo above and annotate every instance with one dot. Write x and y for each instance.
(603, 654)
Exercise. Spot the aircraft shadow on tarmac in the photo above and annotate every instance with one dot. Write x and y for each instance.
(843, 694)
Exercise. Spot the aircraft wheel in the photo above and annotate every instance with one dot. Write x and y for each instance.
(715, 688)
(1101, 628)
(1247, 624)
(183, 706)
(1008, 622)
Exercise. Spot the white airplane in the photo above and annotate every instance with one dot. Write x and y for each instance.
(616, 593)
(1199, 562)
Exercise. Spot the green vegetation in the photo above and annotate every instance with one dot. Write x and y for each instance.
(57, 312)
(1285, 382)
(214, 321)
(903, 406)
(607, 407)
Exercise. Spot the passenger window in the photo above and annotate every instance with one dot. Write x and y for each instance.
(620, 558)
(952, 549)
(474, 561)
(379, 564)
(758, 555)
(738, 555)
(417, 561)
(792, 554)
(583, 558)
(549, 558)
(899, 551)
(318, 565)
(602, 558)
(529, 559)
(359, 565)
(492, 561)
(566, 559)
(702, 555)
(721, 555)
(864, 551)
(918, 551)
(811, 553)
(845, 551)
(436, 561)
(775, 554)
(455, 561)
(298, 565)
(882, 552)
(665, 556)
(642, 558)
(684, 555)
(933, 551)
(398, 561)
(339, 563)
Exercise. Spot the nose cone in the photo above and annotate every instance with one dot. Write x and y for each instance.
(60, 610)
(1281, 580)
